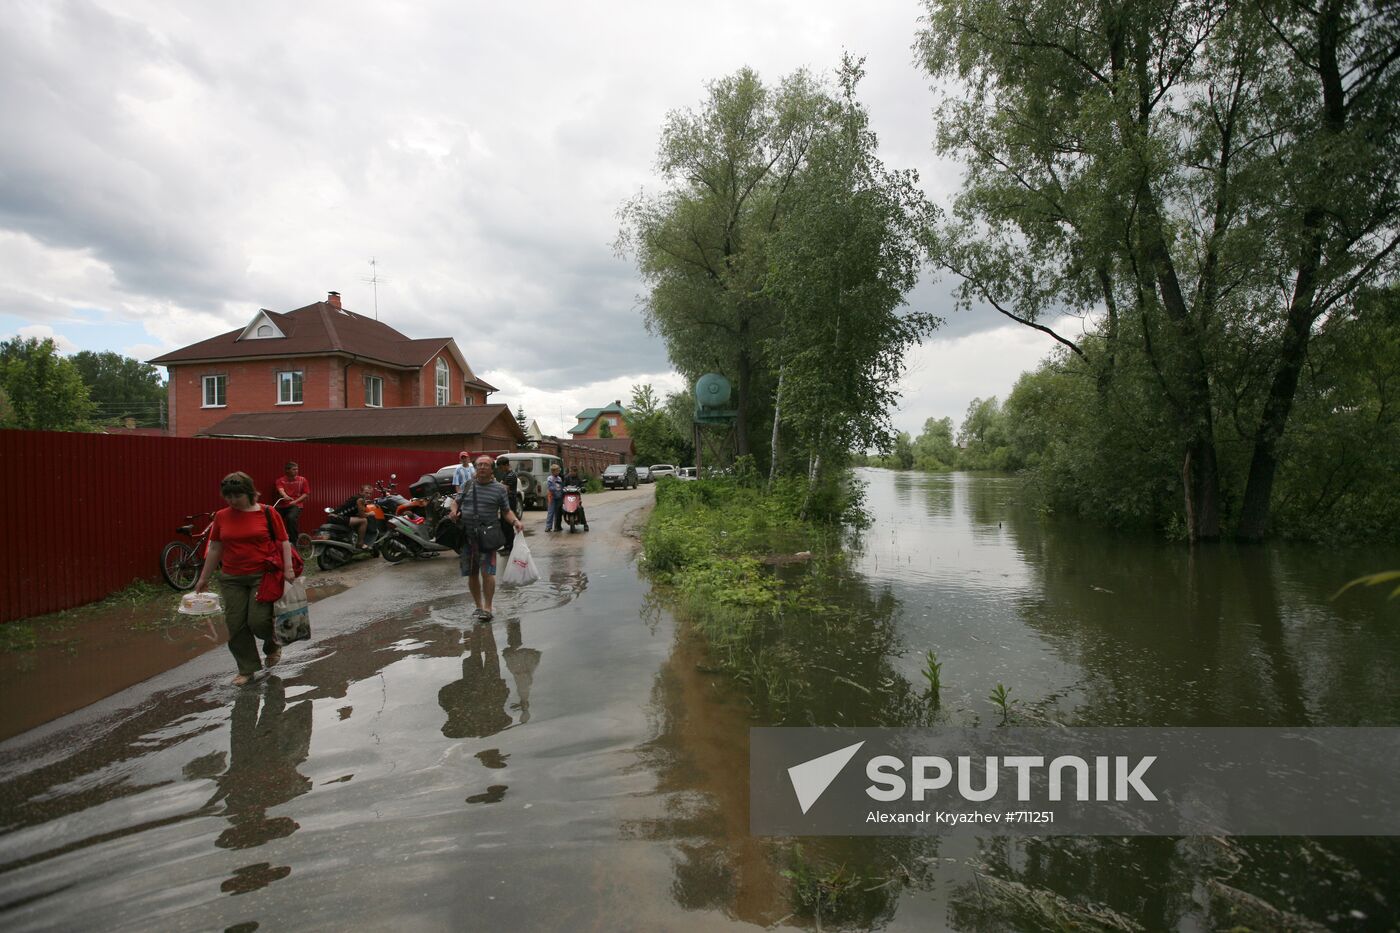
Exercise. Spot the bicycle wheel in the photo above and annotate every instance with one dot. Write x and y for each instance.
(180, 566)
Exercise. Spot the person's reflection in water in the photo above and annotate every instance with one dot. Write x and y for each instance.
(264, 752)
(476, 704)
(521, 662)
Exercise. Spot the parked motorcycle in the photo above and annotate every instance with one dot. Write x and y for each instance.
(413, 524)
(573, 513)
(335, 542)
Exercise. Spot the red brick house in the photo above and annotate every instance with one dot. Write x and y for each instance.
(319, 357)
(591, 421)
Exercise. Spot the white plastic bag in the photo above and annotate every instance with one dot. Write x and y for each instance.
(291, 614)
(520, 570)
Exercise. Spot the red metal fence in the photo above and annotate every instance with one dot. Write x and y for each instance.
(89, 513)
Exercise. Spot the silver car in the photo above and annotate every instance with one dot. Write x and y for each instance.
(644, 475)
(659, 470)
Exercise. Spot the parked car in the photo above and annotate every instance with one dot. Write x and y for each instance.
(644, 475)
(688, 473)
(620, 476)
(659, 470)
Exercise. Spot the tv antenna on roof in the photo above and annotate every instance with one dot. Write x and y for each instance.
(374, 278)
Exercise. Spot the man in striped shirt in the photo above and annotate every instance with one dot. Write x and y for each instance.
(482, 504)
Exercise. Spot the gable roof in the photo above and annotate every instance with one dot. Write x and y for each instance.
(321, 329)
(410, 421)
(587, 416)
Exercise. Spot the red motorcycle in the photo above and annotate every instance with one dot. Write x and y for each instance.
(573, 513)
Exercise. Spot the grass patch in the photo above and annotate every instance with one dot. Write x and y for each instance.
(771, 593)
(48, 630)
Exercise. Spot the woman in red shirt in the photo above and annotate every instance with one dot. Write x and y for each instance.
(240, 546)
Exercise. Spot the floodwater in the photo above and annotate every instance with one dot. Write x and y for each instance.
(580, 763)
(134, 641)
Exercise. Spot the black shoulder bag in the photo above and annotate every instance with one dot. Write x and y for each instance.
(489, 536)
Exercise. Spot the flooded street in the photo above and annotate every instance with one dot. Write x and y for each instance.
(577, 765)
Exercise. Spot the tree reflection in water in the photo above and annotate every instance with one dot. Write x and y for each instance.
(1151, 632)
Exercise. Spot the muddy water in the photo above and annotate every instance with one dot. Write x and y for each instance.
(102, 650)
(1085, 627)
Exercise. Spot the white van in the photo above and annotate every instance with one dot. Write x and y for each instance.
(532, 470)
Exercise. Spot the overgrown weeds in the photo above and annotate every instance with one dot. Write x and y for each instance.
(721, 552)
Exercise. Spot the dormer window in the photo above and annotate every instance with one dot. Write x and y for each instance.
(261, 327)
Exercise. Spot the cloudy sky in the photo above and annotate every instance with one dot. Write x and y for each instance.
(166, 169)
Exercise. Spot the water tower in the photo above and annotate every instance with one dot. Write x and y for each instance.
(714, 420)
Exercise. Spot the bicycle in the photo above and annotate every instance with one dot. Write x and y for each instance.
(180, 562)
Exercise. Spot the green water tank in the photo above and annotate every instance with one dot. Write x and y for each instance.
(712, 405)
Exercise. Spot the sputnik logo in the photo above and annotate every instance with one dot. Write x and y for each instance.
(811, 778)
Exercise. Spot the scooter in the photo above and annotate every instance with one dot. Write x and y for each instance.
(573, 508)
(335, 544)
(413, 524)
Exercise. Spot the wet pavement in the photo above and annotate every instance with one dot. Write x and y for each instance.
(406, 768)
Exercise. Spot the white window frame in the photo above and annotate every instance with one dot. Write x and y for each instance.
(204, 384)
(297, 382)
(443, 382)
(378, 383)
(612, 421)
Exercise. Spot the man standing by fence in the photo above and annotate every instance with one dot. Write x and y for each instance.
(462, 476)
(294, 488)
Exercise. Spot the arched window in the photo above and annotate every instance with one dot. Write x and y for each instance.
(264, 330)
(444, 383)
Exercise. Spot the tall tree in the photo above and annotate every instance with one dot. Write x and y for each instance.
(122, 387)
(702, 243)
(840, 269)
(45, 390)
(933, 448)
(1170, 166)
(653, 430)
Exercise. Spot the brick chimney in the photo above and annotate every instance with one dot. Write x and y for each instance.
(333, 299)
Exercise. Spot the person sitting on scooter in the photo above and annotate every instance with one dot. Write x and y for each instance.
(573, 480)
(354, 512)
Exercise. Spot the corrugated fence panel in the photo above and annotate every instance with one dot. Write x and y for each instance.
(91, 512)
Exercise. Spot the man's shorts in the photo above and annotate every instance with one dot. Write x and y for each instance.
(472, 561)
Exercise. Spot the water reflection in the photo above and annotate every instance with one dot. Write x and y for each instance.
(521, 662)
(268, 741)
(1087, 627)
(476, 704)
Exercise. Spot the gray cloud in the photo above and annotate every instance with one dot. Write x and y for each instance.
(202, 161)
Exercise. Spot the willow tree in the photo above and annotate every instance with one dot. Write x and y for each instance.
(1212, 182)
(840, 269)
(702, 243)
